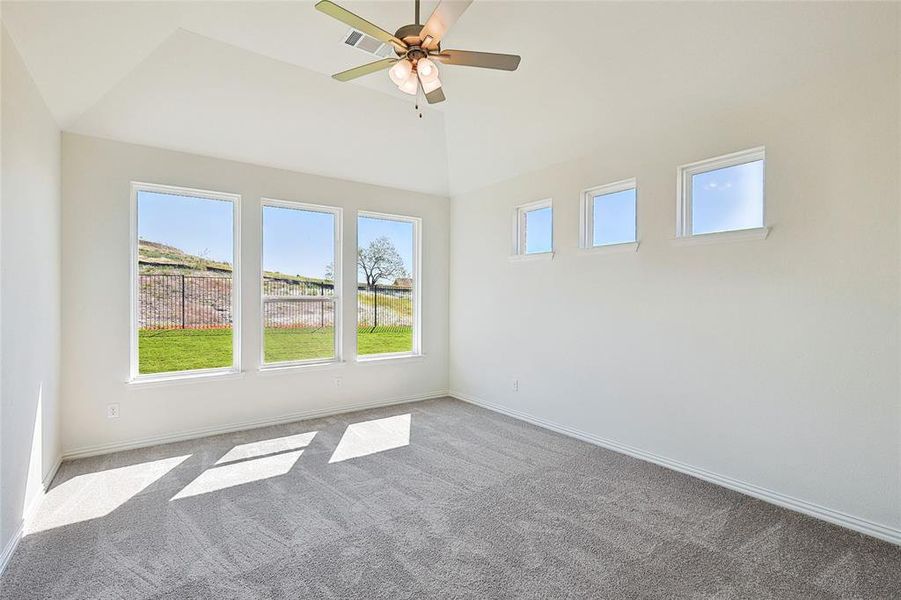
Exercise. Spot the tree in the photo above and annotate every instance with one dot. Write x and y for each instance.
(380, 261)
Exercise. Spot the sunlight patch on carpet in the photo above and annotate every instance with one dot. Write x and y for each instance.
(94, 495)
(369, 437)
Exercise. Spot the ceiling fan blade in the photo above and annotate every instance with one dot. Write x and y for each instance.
(444, 16)
(379, 65)
(435, 96)
(485, 60)
(359, 23)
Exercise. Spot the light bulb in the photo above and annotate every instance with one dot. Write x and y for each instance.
(400, 72)
(410, 85)
(431, 86)
(427, 70)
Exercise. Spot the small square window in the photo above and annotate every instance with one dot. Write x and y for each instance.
(722, 194)
(608, 215)
(534, 228)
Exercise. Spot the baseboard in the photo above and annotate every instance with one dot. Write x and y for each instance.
(11, 547)
(13, 543)
(877, 530)
(191, 434)
(49, 475)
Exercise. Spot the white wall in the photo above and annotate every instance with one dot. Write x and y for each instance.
(95, 282)
(774, 362)
(29, 293)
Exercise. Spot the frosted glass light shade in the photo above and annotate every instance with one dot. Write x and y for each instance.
(410, 85)
(400, 72)
(427, 70)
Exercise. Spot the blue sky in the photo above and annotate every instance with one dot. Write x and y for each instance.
(197, 226)
(614, 218)
(727, 199)
(295, 241)
(539, 235)
(298, 242)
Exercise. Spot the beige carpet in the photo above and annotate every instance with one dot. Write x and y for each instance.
(434, 499)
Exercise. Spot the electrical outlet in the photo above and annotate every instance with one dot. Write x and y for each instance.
(516, 385)
(112, 411)
(338, 382)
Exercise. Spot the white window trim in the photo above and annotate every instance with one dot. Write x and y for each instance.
(192, 375)
(338, 213)
(417, 287)
(586, 231)
(683, 195)
(519, 230)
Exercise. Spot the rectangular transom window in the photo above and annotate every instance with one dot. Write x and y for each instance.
(722, 194)
(185, 309)
(609, 215)
(533, 228)
(388, 251)
(301, 263)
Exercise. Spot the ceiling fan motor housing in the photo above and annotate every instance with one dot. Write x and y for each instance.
(410, 35)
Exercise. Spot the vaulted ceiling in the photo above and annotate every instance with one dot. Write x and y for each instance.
(250, 80)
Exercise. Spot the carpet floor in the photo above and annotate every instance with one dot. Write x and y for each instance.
(435, 499)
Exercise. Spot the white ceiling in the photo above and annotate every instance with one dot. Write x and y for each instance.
(249, 80)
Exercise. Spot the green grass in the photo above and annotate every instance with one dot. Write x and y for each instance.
(384, 340)
(298, 344)
(163, 351)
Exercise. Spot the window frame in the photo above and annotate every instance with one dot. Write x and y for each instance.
(134, 365)
(338, 213)
(684, 175)
(586, 230)
(417, 287)
(520, 232)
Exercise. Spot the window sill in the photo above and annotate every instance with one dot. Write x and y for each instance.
(531, 257)
(740, 235)
(285, 368)
(375, 359)
(612, 248)
(182, 378)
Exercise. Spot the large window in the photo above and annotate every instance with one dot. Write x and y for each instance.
(185, 277)
(609, 216)
(388, 285)
(533, 229)
(301, 263)
(722, 194)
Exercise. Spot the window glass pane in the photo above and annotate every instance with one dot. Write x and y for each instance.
(539, 236)
(614, 218)
(298, 284)
(185, 253)
(727, 199)
(385, 285)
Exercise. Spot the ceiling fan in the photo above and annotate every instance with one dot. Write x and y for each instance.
(418, 48)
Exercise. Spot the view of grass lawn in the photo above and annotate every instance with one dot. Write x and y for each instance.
(162, 351)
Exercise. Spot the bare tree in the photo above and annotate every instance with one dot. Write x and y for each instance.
(380, 261)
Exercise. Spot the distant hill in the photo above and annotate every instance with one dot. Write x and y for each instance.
(154, 257)
(157, 258)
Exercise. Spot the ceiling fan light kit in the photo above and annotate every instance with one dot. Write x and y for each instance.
(418, 48)
(427, 70)
(410, 86)
(400, 72)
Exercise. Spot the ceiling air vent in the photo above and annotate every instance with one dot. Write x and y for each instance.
(368, 44)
